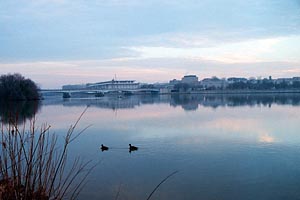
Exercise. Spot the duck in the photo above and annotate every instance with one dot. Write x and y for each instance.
(104, 148)
(132, 148)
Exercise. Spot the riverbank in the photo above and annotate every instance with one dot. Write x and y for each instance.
(236, 92)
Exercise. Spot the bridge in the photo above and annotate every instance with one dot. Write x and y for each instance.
(53, 92)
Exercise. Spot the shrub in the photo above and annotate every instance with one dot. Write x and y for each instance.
(16, 87)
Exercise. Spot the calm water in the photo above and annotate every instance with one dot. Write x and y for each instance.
(224, 147)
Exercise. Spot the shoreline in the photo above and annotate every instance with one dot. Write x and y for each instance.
(204, 92)
(237, 92)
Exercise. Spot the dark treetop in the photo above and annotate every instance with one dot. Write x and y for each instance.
(16, 87)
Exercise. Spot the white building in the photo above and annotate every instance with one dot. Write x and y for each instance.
(190, 79)
(107, 85)
(114, 85)
(216, 83)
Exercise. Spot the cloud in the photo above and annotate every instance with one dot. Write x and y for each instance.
(292, 70)
(230, 128)
(93, 40)
(54, 74)
(64, 29)
(266, 139)
(43, 2)
(249, 51)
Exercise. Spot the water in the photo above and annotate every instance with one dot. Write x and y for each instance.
(223, 147)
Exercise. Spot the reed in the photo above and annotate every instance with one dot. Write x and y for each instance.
(33, 164)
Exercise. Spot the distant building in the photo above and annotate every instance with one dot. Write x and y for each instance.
(289, 81)
(216, 83)
(74, 87)
(114, 85)
(107, 85)
(236, 80)
(190, 79)
(253, 80)
(174, 82)
(296, 79)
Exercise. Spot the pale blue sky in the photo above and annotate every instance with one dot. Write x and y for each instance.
(56, 42)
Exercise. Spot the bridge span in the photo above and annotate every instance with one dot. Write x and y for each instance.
(57, 92)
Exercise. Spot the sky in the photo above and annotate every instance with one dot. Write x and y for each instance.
(57, 42)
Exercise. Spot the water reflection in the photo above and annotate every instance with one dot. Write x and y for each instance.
(18, 111)
(187, 102)
(191, 102)
(247, 148)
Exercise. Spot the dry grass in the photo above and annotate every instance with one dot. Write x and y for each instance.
(33, 164)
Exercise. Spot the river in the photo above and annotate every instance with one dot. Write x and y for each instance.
(223, 147)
